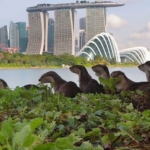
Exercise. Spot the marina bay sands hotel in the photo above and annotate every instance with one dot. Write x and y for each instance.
(65, 25)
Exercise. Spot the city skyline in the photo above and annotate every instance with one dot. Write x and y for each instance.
(128, 29)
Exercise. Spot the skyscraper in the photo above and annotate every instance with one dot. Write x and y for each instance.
(22, 36)
(14, 35)
(95, 21)
(82, 38)
(82, 24)
(77, 44)
(65, 27)
(38, 32)
(4, 36)
(51, 35)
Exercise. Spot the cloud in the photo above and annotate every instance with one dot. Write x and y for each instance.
(115, 22)
(142, 34)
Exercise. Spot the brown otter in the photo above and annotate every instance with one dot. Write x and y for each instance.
(69, 89)
(3, 84)
(125, 84)
(146, 68)
(86, 83)
(101, 71)
(140, 102)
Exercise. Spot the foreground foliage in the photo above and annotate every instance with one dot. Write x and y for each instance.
(40, 120)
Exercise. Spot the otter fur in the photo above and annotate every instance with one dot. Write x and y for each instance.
(140, 102)
(146, 68)
(86, 83)
(3, 84)
(69, 89)
(101, 71)
(125, 84)
(29, 86)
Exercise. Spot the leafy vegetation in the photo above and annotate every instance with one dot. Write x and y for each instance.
(40, 120)
(47, 60)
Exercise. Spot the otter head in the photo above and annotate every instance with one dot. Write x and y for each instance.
(81, 71)
(120, 84)
(145, 67)
(76, 69)
(48, 77)
(101, 71)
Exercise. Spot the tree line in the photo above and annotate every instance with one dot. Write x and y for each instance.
(47, 60)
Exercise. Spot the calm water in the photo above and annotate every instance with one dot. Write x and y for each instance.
(20, 77)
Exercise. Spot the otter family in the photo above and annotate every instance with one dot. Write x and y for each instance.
(89, 85)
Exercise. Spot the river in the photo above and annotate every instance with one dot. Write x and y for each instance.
(20, 77)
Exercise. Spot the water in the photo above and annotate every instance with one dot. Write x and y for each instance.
(20, 77)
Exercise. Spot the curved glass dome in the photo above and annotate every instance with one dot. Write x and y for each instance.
(135, 54)
(102, 44)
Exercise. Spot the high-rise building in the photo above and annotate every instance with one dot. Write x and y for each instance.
(13, 35)
(27, 31)
(95, 21)
(22, 36)
(82, 23)
(64, 29)
(77, 44)
(4, 36)
(82, 38)
(38, 32)
(51, 35)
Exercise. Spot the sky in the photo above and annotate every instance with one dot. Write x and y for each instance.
(129, 24)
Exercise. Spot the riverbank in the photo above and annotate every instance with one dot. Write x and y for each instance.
(42, 67)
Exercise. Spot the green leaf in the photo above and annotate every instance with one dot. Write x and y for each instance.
(57, 114)
(80, 132)
(105, 140)
(6, 130)
(29, 140)
(35, 123)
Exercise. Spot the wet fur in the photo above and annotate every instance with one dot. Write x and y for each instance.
(29, 86)
(3, 84)
(125, 84)
(69, 89)
(101, 71)
(86, 83)
(146, 68)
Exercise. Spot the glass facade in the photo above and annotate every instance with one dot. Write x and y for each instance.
(102, 44)
(14, 35)
(135, 54)
(4, 36)
(51, 35)
(22, 36)
(82, 24)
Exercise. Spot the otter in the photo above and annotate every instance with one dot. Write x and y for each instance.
(69, 89)
(86, 83)
(125, 84)
(146, 68)
(101, 71)
(29, 86)
(3, 84)
(140, 102)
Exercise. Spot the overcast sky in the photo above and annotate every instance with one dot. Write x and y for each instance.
(130, 24)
